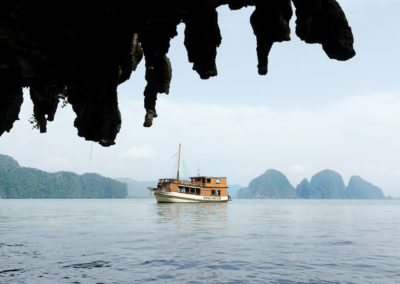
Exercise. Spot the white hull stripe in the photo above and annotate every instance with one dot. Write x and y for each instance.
(184, 197)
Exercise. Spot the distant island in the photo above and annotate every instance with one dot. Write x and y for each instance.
(138, 189)
(21, 182)
(233, 190)
(326, 184)
(272, 185)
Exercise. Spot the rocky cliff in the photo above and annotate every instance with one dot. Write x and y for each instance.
(326, 184)
(80, 51)
(361, 189)
(270, 185)
(21, 182)
(306, 190)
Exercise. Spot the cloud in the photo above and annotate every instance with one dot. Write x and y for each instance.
(297, 168)
(138, 153)
(358, 135)
(355, 135)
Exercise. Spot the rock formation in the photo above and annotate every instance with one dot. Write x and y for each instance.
(22, 182)
(81, 51)
(361, 189)
(305, 190)
(270, 185)
(326, 184)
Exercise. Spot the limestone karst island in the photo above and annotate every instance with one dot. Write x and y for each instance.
(22, 182)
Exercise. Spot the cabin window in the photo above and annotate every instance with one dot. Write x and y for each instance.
(212, 191)
(203, 180)
(192, 190)
(218, 181)
(198, 191)
(218, 192)
(208, 180)
(186, 190)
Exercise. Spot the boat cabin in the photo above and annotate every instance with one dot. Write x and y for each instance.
(201, 185)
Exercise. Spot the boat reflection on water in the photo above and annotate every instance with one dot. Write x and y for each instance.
(193, 214)
(199, 227)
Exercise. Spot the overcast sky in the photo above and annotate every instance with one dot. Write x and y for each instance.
(308, 114)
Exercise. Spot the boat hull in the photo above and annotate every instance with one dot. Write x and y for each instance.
(175, 197)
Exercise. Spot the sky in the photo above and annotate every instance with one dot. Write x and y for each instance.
(308, 114)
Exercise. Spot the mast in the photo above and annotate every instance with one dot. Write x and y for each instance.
(179, 161)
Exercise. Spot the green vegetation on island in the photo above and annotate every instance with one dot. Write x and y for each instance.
(21, 182)
(306, 190)
(361, 189)
(326, 184)
(270, 185)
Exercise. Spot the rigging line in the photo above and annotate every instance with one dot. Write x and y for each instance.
(185, 168)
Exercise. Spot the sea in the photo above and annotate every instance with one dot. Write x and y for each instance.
(243, 241)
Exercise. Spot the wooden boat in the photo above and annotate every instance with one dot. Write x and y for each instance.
(198, 189)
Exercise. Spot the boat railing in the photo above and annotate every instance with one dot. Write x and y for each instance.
(173, 180)
(185, 182)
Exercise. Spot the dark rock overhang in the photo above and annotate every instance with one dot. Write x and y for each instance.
(81, 52)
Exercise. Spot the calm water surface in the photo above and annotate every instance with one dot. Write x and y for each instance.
(266, 241)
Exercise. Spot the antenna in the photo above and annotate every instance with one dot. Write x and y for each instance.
(179, 160)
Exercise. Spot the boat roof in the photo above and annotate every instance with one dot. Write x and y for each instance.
(206, 177)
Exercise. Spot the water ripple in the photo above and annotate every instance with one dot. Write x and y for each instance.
(139, 241)
(89, 265)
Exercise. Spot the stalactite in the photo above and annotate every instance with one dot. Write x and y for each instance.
(85, 50)
(270, 22)
(202, 36)
(45, 100)
(324, 22)
(10, 99)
